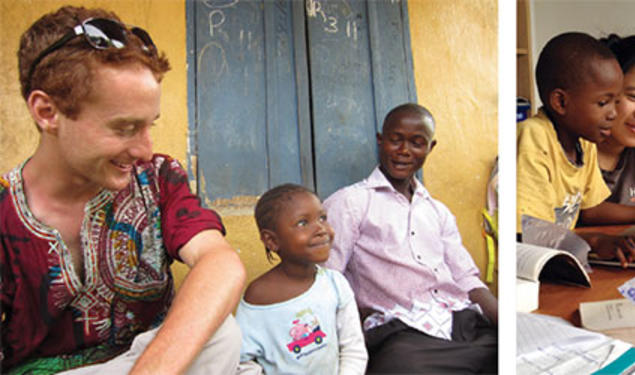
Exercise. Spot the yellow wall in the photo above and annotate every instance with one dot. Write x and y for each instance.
(454, 46)
(18, 136)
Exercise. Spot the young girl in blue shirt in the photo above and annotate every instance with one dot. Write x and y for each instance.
(298, 318)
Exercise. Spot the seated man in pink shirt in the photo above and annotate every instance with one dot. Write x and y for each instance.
(423, 305)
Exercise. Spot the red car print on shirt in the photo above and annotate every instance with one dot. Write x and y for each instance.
(316, 336)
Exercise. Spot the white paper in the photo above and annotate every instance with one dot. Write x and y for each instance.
(611, 314)
(550, 345)
(527, 292)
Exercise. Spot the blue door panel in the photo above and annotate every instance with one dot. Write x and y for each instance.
(359, 70)
(342, 93)
(292, 91)
(246, 97)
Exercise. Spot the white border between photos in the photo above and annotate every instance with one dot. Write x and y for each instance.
(507, 186)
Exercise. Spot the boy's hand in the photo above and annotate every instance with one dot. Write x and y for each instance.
(611, 247)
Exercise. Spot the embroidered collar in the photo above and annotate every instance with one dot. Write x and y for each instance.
(16, 182)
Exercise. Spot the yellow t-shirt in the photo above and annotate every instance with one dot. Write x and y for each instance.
(549, 186)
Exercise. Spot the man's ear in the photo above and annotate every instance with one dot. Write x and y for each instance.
(270, 240)
(432, 144)
(378, 137)
(43, 111)
(558, 101)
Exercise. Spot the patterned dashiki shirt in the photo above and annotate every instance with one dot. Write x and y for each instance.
(52, 320)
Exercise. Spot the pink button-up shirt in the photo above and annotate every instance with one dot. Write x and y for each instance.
(403, 259)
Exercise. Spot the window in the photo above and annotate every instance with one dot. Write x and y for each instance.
(292, 91)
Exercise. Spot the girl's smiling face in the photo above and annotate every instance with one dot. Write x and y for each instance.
(302, 234)
(624, 129)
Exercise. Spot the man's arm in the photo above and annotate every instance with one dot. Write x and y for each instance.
(487, 301)
(607, 213)
(209, 293)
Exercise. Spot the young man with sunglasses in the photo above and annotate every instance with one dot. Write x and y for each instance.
(90, 223)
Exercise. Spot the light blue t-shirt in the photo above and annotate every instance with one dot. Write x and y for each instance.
(297, 336)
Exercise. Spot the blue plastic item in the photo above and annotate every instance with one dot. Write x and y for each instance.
(522, 108)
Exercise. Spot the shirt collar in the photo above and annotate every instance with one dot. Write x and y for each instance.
(377, 181)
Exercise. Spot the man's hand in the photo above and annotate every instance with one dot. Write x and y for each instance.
(487, 301)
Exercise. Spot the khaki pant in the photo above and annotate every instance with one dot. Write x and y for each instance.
(220, 356)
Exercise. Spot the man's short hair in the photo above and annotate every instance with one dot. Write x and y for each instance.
(413, 109)
(566, 62)
(66, 74)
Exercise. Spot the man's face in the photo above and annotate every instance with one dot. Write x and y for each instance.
(112, 130)
(592, 106)
(403, 146)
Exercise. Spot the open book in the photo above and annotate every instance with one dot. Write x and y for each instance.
(542, 263)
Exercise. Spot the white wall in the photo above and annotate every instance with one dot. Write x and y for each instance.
(598, 18)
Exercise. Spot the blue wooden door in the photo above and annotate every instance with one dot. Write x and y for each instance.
(292, 91)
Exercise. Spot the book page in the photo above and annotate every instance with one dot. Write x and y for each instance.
(541, 263)
(553, 236)
(547, 344)
(530, 259)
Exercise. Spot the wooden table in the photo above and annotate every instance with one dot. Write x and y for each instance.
(564, 300)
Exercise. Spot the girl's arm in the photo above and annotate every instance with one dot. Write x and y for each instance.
(353, 355)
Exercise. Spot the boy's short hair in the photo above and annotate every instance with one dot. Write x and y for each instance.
(66, 74)
(565, 62)
(269, 205)
(415, 109)
(623, 48)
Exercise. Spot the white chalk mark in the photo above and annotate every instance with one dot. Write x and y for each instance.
(351, 29)
(312, 8)
(332, 25)
(355, 31)
(220, 4)
(220, 20)
(324, 18)
(221, 67)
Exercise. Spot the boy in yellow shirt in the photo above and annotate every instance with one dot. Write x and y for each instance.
(558, 178)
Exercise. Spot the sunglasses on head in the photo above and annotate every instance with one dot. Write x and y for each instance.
(100, 33)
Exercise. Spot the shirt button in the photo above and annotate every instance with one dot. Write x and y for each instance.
(412, 233)
(436, 291)
(436, 270)
(418, 257)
